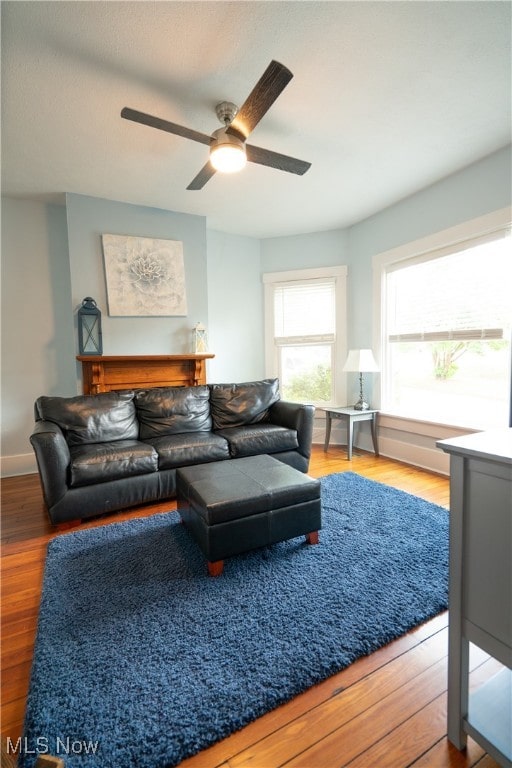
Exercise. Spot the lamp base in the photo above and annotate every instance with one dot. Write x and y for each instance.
(361, 404)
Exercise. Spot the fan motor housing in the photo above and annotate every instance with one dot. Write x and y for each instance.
(221, 138)
(226, 111)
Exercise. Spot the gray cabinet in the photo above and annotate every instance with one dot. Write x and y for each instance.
(480, 599)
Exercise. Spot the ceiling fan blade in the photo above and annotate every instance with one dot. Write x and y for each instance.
(273, 81)
(276, 160)
(202, 177)
(164, 125)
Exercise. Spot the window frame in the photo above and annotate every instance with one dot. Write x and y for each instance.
(339, 275)
(476, 231)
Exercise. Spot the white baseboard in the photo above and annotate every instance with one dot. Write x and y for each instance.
(424, 458)
(20, 464)
(420, 456)
(362, 436)
(413, 443)
(319, 434)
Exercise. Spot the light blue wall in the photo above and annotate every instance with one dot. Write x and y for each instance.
(52, 258)
(317, 249)
(44, 281)
(89, 218)
(480, 188)
(37, 321)
(235, 303)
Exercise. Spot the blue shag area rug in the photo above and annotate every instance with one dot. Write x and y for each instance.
(142, 660)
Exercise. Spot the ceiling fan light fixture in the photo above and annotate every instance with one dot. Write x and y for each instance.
(228, 150)
(227, 153)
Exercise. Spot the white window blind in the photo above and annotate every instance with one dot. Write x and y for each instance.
(305, 311)
(451, 298)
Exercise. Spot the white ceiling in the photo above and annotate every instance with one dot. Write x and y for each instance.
(387, 98)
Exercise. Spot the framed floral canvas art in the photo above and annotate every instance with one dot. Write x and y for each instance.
(145, 276)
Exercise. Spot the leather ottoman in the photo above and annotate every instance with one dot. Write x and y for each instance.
(234, 506)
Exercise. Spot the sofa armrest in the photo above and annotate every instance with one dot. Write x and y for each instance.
(52, 455)
(295, 416)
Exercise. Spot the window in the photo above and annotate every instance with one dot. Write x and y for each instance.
(305, 333)
(446, 322)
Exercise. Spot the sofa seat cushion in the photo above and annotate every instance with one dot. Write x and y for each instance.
(91, 418)
(233, 405)
(172, 410)
(112, 460)
(255, 439)
(189, 448)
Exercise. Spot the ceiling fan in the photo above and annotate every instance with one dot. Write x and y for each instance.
(228, 144)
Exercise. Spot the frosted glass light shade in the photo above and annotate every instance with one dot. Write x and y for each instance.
(227, 153)
(360, 361)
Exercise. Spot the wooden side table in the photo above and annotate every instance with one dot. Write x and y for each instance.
(351, 415)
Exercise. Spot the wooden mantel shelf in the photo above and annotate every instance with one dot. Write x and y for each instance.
(104, 373)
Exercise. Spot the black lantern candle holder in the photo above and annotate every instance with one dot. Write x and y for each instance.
(89, 328)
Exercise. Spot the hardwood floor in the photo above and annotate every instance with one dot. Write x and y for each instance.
(386, 709)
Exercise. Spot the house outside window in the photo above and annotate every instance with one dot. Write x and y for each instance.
(446, 333)
(305, 334)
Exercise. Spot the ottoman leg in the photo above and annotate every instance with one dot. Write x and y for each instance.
(215, 567)
(312, 538)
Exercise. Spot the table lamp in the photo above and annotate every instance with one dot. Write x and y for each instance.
(360, 361)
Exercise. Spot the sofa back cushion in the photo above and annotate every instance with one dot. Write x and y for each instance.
(234, 405)
(172, 410)
(92, 418)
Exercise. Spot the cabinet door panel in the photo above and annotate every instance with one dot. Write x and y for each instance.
(487, 572)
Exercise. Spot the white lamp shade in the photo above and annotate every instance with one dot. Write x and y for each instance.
(360, 361)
